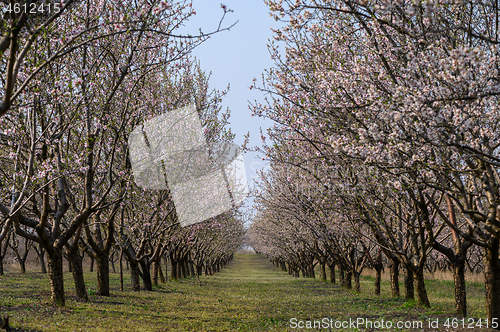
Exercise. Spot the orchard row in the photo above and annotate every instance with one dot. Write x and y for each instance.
(385, 144)
(74, 83)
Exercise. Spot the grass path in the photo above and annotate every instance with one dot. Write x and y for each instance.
(248, 295)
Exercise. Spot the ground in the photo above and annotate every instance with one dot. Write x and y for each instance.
(250, 294)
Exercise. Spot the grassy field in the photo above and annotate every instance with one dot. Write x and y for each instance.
(248, 295)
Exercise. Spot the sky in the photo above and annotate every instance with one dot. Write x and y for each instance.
(235, 57)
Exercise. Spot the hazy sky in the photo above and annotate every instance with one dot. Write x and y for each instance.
(235, 57)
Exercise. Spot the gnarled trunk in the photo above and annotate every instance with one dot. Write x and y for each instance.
(75, 261)
(103, 274)
(179, 270)
(56, 277)
(332, 273)
(348, 279)
(173, 271)
(311, 273)
(183, 269)
(134, 275)
(322, 273)
(156, 271)
(394, 273)
(421, 291)
(492, 281)
(146, 276)
(409, 288)
(22, 263)
(357, 285)
(460, 292)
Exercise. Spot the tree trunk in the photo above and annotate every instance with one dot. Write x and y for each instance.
(378, 265)
(112, 259)
(378, 278)
(183, 273)
(457, 261)
(103, 274)
(75, 261)
(91, 264)
(146, 276)
(121, 270)
(56, 277)
(492, 281)
(357, 285)
(181, 269)
(134, 275)
(332, 273)
(69, 265)
(199, 270)
(42, 259)
(165, 259)
(409, 288)
(173, 271)
(156, 266)
(348, 279)
(341, 276)
(421, 291)
(162, 276)
(394, 272)
(322, 273)
(22, 265)
(460, 292)
(311, 271)
(2, 255)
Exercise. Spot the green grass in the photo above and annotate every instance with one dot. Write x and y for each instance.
(248, 295)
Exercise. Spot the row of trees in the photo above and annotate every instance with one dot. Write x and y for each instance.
(191, 251)
(385, 140)
(75, 82)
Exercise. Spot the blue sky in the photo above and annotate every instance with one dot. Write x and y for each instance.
(235, 57)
